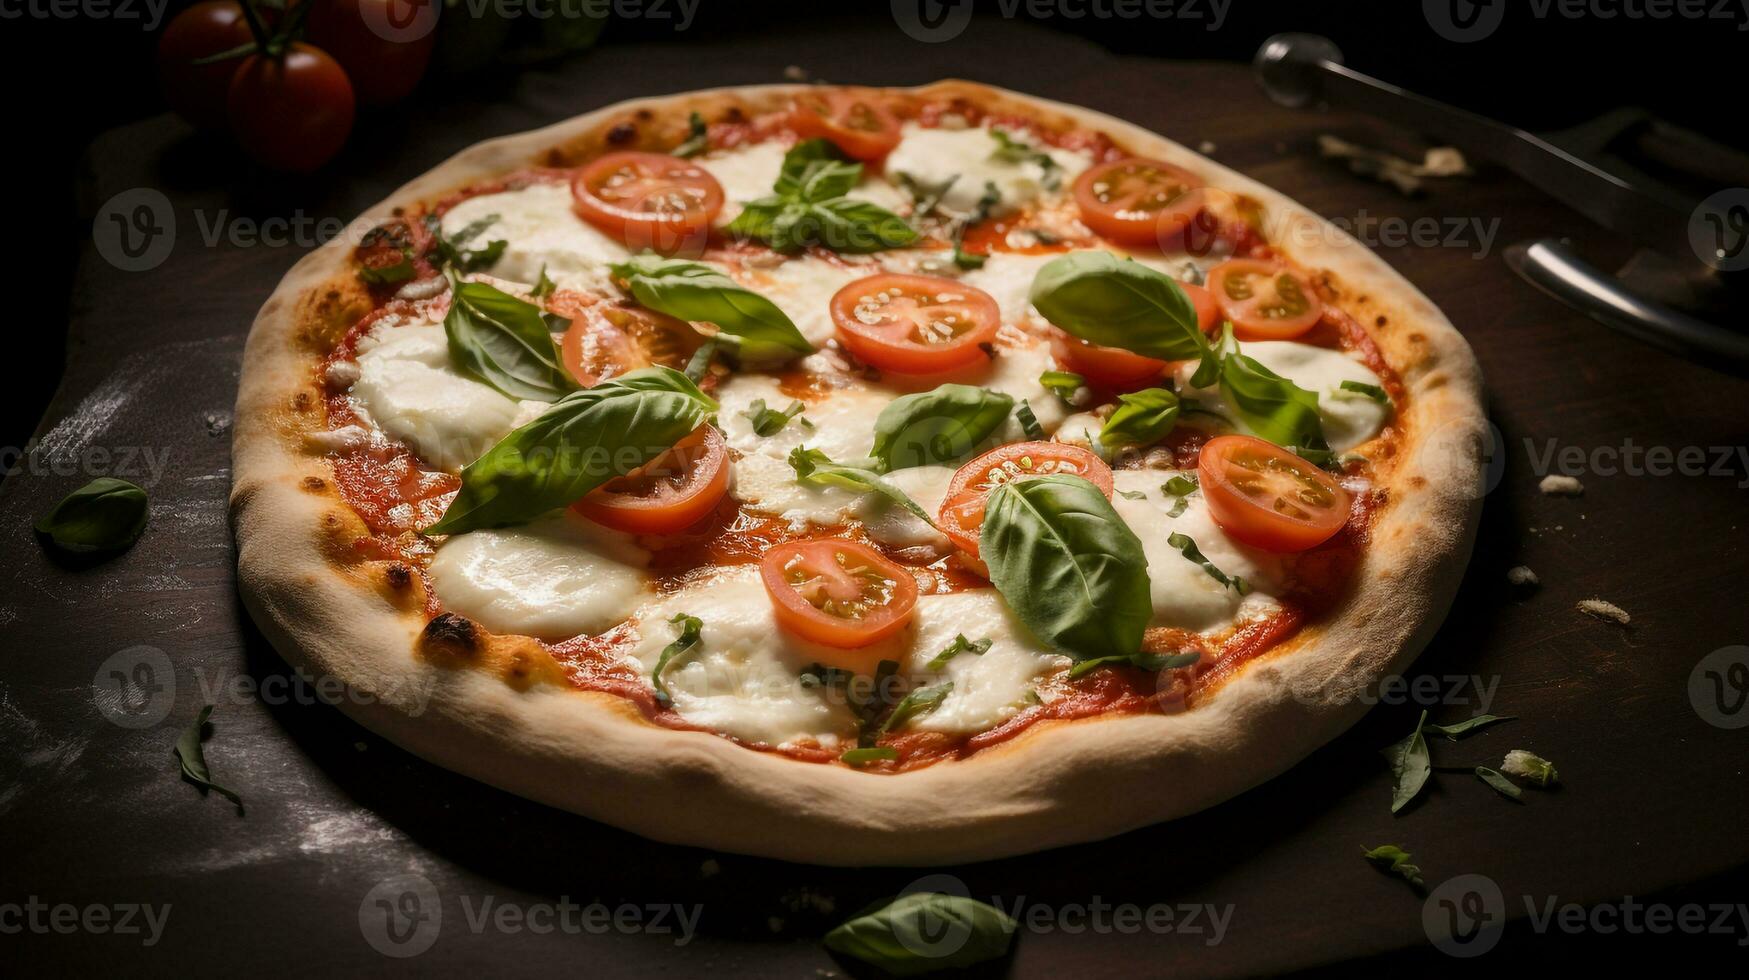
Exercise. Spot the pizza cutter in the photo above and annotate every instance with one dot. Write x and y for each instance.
(1694, 254)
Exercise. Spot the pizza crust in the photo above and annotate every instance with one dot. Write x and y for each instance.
(497, 709)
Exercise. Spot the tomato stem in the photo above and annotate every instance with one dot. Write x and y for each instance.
(256, 28)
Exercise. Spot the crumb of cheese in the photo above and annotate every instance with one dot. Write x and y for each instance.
(1607, 611)
(1557, 485)
(1522, 575)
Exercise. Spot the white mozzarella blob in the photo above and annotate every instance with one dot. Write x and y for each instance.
(1350, 418)
(749, 173)
(841, 425)
(932, 156)
(558, 577)
(988, 688)
(803, 289)
(1007, 277)
(1184, 594)
(408, 389)
(542, 232)
(744, 676)
(889, 523)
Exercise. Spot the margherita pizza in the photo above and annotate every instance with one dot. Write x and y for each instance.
(853, 476)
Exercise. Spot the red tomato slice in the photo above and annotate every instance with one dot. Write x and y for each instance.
(1136, 201)
(914, 324)
(839, 593)
(1116, 369)
(605, 340)
(962, 507)
(649, 200)
(854, 121)
(1264, 496)
(670, 493)
(1265, 300)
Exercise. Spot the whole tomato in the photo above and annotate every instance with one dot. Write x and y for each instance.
(291, 112)
(384, 45)
(198, 93)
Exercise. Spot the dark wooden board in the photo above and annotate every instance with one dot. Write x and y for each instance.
(92, 812)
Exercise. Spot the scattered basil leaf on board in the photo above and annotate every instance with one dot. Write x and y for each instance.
(1066, 564)
(698, 137)
(815, 468)
(1187, 547)
(943, 425)
(768, 422)
(959, 645)
(104, 515)
(921, 701)
(808, 206)
(1393, 860)
(1462, 728)
(584, 440)
(1117, 302)
(924, 932)
(873, 753)
(751, 325)
(1141, 418)
(1374, 392)
(1144, 660)
(1063, 384)
(502, 341)
(1411, 765)
(691, 630)
(193, 759)
(1500, 784)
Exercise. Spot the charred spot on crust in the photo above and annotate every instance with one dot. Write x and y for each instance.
(734, 114)
(302, 401)
(399, 576)
(622, 133)
(452, 634)
(645, 115)
(1381, 321)
(314, 484)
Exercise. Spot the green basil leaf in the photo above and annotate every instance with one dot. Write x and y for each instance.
(1028, 421)
(1505, 787)
(864, 756)
(814, 170)
(543, 286)
(587, 438)
(940, 426)
(691, 630)
(1187, 547)
(959, 645)
(504, 342)
(452, 251)
(698, 137)
(1462, 728)
(1144, 660)
(1067, 565)
(106, 514)
(921, 701)
(815, 468)
(808, 206)
(1374, 392)
(192, 759)
(1117, 302)
(700, 363)
(753, 325)
(1393, 860)
(1178, 507)
(1182, 485)
(1132, 495)
(1411, 765)
(766, 422)
(1063, 384)
(1141, 418)
(1011, 150)
(1274, 408)
(985, 205)
(924, 932)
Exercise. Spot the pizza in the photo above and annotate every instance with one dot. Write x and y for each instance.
(853, 476)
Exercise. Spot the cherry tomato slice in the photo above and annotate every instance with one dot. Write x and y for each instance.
(1136, 201)
(1265, 300)
(914, 324)
(670, 493)
(1264, 496)
(1116, 369)
(605, 340)
(839, 593)
(649, 200)
(962, 508)
(854, 121)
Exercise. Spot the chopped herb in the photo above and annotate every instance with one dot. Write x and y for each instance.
(1462, 728)
(959, 645)
(769, 423)
(543, 287)
(1500, 783)
(920, 701)
(987, 203)
(1012, 150)
(1178, 507)
(1132, 495)
(1393, 860)
(1187, 547)
(864, 756)
(1028, 421)
(698, 137)
(1144, 660)
(193, 759)
(1182, 485)
(691, 628)
(1063, 384)
(1374, 392)
(453, 250)
(700, 362)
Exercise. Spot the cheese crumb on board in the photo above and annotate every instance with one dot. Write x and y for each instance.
(1557, 485)
(1606, 611)
(1522, 575)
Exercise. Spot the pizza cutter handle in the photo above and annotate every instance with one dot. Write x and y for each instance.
(1553, 268)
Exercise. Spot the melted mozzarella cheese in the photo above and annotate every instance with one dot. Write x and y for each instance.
(558, 577)
(749, 173)
(744, 676)
(988, 688)
(1007, 277)
(803, 289)
(1184, 594)
(1349, 418)
(543, 232)
(408, 388)
(932, 156)
(1014, 371)
(889, 523)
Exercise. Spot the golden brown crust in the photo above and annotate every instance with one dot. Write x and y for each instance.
(514, 724)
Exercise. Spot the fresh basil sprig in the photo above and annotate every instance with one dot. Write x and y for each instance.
(104, 515)
(1141, 418)
(940, 426)
(959, 645)
(192, 759)
(1187, 547)
(808, 206)
(1067, 565)
(502, 341)
(769, 422)
(1271, 406)
(751, 324)
(1117, 302)
(815, 468)
(691, 630)
(586, 439)
(923, 932)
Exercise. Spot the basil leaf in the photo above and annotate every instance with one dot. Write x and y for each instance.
(1505, 787)
(586, 439)
(1067, 565)
(808, 206)
(106, 514)
(698, 137)
(1187, 547)
(1028, 421)
(815, 169)
(1374, 392)
(1393, 860)
(1011, 150)
(1063, 384)
(815, 468)
(1274, 408)
(1178, 507)
(923, 932)
(700, 363)
(864, 756)
(543, 286)
(691, 630)
(192, 759)
(1117, 302)
(939, 426)
(1462, 728)
(1141, 418)
(1132, 495)
(986, 204)
(1411, 765)
(750, 323)
(504, 342)
(959, 645)
(1182, 485)
(921, 701)
(766, 422)
(1144, 660)
(451, 251)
